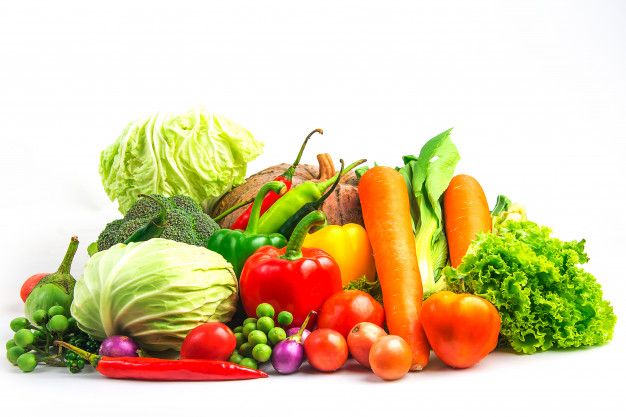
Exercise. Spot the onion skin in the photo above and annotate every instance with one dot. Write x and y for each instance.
(119, 346)
(287, 356)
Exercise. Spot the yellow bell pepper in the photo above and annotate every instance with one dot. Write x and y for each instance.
(349, 246)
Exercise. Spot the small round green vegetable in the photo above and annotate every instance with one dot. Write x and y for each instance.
(38, 334)
(276, 335)
(80, 363)
(71, 323)
(249, 320)
(249, 363)
(14, 353)
(245, 349)
(58, 323)
(262, 352)
(257, 337)
(27, 362)
(10, 344)
(284, 318)
(238, 329)
(265, 310)
(240, 338)
(235, 357)
(24, 337)
(40, 316)
(265, 324)
(19, 323)
(55, 311)
(249, 327)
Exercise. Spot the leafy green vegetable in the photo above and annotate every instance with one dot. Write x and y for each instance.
(427, 177)
(197, 154)
(154, 291)
(545, 299)
(365, 285)
(177, 218)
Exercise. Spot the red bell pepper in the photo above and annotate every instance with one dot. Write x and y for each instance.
(270, 198)
(291, 279)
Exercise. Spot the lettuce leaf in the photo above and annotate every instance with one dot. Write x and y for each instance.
(197, 154)
(545, 299)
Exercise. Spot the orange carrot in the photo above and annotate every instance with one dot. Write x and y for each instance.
(465, 213)
(386, 213)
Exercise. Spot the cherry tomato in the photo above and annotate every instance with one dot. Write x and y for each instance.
(211, 341)
(390, 357)
(360, 341)
(29, 284)
(343, 310)
(326, 350)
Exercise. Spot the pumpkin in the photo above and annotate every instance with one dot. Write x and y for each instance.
(341, 207)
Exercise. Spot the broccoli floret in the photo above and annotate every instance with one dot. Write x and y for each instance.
(177, 218)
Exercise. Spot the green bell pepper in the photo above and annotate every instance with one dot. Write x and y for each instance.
(237, 246)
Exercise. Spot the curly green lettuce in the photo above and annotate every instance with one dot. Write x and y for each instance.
(545, 299)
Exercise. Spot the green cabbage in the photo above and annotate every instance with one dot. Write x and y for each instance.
(197, 154)
(154, 291)
(545, 299)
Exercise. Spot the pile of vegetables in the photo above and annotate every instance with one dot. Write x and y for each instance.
(210, 277)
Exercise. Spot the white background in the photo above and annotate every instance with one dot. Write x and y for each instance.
(535, 90)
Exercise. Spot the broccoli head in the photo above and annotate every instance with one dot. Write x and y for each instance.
(177, 218)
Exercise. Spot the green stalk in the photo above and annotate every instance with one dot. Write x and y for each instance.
(425, 260)
(153, 227)
(233, 208)
(66, 263)
(91, 357)
(330, 181)
(276, 186)
(294, 247)
(292, 169)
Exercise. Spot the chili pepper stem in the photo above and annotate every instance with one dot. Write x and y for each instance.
(327, 183)
(157, 221)
(66, 263)
(292, 169)
(331, 189)
(233, 208)
(277, 187)
(91, 357)
(294, 247)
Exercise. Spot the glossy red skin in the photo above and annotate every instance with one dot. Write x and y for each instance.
(29, 284)
(270, 198)
(326, 350)
(360, 341)
(209, 341)
(461, 328)
(298, 286)
(154, 369)
(344, 310)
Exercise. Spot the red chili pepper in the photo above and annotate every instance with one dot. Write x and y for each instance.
(291, 279)
(242, 221)
(154, 369)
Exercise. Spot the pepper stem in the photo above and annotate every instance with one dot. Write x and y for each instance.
(294, 247)
(334, 186)
(277, 187)
(66, 263)
(147, 230)
(292, 169)
(233, 208)
(327, 183)
(91, 357)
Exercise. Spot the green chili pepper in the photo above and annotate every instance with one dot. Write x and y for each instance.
(236, 246)
(296, 198)
(287, 228)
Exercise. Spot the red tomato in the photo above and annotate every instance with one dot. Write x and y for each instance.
(29, 284)
(326, 350)
(343, 310)
(390, 357)
(211, 341)
(360, 341)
